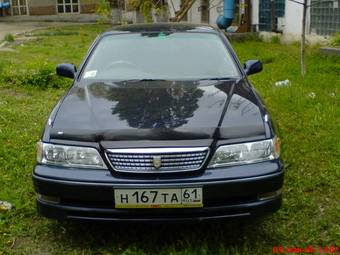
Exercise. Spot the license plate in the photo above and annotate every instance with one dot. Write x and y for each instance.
(159, 198)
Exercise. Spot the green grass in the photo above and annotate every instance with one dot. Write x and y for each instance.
(9, 38)
(335, 40)
(309, 128)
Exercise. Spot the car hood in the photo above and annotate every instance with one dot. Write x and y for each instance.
(158, 110)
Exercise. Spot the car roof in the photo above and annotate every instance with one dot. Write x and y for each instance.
(162, 27)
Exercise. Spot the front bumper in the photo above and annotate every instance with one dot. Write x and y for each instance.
(227, 192)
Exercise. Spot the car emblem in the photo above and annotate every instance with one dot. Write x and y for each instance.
(157, 162)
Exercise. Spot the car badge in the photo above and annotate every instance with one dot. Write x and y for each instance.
(157, 162)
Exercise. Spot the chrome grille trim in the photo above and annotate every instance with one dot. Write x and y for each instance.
(140, 160)
(159, 150)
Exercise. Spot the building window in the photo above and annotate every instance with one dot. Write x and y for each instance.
(325, 17)
(19, 7)
(68, 6)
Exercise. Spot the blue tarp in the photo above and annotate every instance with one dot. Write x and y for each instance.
(4, 5)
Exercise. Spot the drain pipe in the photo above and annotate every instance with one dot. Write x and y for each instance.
(223, 22)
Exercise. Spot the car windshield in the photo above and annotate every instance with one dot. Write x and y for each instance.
(161, 56)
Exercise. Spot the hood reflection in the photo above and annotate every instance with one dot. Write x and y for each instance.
(162, 110)
(147, 106)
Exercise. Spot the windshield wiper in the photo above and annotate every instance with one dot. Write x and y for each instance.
(218, 79)
(139, 80)
(200, 79)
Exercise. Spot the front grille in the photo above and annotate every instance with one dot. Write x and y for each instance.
(157, 159)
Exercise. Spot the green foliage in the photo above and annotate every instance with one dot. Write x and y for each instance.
(104, 10)
(33, 63)
(9, 38)
(242, 37)
(335, 40)
(56, 33)
(133, 5)
(146, 7)
(37, 74)
(2, 67)
(275, 39)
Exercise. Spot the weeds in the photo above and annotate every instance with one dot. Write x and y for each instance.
(9, 38)
(275, 39)
(335, 40)
(37, 74)
(104, 11)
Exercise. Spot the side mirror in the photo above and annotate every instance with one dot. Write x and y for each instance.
(253, 66)
(66, 70)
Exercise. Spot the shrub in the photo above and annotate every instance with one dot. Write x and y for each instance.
(244, 37)
(335, 41)
(275, 39)
(9, 38)
(146, 8)
(40, 75)
(104, 11)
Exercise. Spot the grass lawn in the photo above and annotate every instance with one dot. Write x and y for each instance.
(307, 113)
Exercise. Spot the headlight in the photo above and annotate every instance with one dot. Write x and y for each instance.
(246, 153)
(69, 156)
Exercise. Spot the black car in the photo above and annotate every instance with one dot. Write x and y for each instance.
(160, 124)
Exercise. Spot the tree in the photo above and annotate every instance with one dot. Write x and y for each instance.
(305, 7)
(146, 7)
(304, 4)
(141, 106)
(185, 7)
(104, 11)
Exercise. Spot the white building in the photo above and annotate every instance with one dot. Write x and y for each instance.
(323, 17)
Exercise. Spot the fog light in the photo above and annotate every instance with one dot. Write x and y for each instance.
(269, 195)
(49, 199)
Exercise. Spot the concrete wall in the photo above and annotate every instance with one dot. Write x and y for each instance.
(255, 10)
(292, 27)
(132, 17)
(293, 17)
(194, 15)
(214, 12)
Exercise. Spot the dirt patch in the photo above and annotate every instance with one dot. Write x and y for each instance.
(7, 46)
(17, 28)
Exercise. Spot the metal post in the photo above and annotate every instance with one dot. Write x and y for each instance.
(303, 38)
